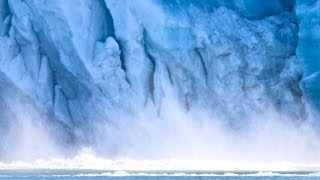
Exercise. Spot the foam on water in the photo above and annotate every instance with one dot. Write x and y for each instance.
(166, 174)
(89, 164)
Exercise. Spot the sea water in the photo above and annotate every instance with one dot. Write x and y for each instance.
(155, 175)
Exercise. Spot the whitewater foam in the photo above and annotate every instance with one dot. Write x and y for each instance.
(87, 160)
(171, 174)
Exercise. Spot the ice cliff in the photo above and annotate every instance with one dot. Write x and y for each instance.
(77, 64)
(308, 50)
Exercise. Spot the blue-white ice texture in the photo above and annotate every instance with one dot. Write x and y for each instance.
(78, 63)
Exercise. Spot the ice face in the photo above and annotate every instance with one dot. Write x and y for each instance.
(85, 62)
(308, 50)
(252, 9)
(197, 54)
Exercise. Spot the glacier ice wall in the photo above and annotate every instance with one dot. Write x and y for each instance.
(308, 51)
(83, 66)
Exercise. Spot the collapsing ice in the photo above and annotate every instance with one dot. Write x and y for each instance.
(152, 78)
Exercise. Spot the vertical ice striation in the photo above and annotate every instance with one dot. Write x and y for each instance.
(86, 65)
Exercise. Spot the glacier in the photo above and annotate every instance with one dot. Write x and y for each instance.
(80, 70)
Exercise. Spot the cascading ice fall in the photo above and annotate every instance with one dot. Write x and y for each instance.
(214, 80)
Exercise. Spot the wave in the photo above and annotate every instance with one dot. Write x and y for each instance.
(126, 164)
(172, 174)
(86, 163)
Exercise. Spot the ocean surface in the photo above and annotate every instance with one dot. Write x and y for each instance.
(156, 175)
